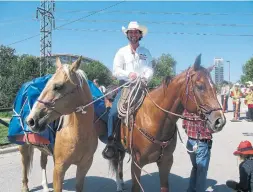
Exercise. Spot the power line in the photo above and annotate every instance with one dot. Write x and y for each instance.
(164, 22)
(159, 32)
(93, 13)
(155, 12)
(24, 39)
(17, 21)
(148, 22)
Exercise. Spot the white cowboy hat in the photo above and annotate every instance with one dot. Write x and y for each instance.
(237, 84)
(134, 25)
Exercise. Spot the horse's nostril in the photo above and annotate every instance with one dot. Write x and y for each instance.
(31, 122)
(219, 123)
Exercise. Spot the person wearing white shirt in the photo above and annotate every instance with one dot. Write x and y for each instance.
(130, 62)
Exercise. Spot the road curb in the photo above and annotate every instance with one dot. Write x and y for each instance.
(8, 150)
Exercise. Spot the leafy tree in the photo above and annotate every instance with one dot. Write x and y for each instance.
(96, 70)
(247, 71)
(163, 66)
(15, 70)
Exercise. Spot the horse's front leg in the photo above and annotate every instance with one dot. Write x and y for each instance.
(136, 174)
(81, 172)
(59, 173)
(43, 164)
(26, 157)
(164, 166)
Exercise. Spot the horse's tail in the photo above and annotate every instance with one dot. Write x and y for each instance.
(113, 165)
(27, 151)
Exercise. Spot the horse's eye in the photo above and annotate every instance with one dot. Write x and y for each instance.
(57, 87)
(200, 87)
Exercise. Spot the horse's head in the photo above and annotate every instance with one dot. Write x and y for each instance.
(64, 93)
(200, 96)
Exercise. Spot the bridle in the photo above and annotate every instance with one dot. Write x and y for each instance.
(202, 109)
(51, 104)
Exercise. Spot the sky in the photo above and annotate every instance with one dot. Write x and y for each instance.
(173, 27)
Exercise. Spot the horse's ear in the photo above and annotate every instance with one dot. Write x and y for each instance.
(58, 62)
(209, 69)
(197, 63)
(76, 64)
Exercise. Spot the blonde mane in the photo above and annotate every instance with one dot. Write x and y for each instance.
(80, 74)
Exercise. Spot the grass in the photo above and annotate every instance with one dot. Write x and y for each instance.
(6, 114)
(3, 129)
(3, 135)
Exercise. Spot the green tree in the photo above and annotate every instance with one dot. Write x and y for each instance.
(96, 70)
(247, 71)
(163, 66)
(15, 70)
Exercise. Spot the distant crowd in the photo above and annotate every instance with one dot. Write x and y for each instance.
(239, 93)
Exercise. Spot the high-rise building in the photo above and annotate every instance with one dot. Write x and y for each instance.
(218, 71)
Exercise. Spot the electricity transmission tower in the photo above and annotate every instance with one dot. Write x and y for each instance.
(46, 15)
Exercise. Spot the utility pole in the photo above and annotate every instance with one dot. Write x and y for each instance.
(46, 15)
(228, 70)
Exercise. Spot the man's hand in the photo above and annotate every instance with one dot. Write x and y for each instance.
(132, 76)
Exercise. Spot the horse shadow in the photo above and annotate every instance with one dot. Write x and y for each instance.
(177, 184)
(92, 184)
(149, 184)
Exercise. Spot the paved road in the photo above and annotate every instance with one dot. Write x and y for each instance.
(223, 166)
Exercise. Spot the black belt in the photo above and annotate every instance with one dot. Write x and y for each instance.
(201, 140)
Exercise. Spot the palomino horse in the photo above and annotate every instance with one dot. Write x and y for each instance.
(153, 136)
(64, 96)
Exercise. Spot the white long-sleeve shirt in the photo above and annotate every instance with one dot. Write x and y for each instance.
(126, 61)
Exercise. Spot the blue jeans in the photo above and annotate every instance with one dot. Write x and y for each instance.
(113, 114)
(200, 162)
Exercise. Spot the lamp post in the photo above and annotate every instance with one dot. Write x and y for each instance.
(228, 70)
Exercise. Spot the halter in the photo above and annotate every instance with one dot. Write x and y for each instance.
(51, 104)
(202, 110)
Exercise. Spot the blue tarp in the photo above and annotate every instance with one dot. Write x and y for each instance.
(26, 97)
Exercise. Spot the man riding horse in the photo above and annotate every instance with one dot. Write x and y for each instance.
(130, 62)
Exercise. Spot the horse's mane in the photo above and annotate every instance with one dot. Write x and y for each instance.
(81, 76)
(167, 80)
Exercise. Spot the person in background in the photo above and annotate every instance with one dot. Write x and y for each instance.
(249, 101)
(95, 81)
(224, 95)
(245, 154)
(236, 95)
(199, 143)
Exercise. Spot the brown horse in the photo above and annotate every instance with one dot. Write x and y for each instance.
(64, 96)
(153, 136)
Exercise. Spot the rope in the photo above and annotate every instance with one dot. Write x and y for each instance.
(181, 140)
(81, 108)
(131, 106)
(175, 114)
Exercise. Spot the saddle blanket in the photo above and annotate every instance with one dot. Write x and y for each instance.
(26, 97)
